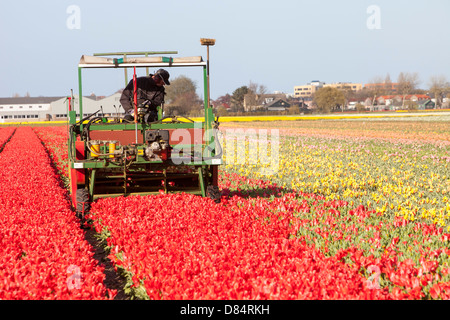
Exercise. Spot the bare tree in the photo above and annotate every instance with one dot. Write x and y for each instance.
(377, 89)
(376, 79)
(438, 86)
(255, 91)
(258, 89)
(388, 84)
(407, 83)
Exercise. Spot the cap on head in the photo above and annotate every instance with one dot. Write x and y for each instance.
(164, 75)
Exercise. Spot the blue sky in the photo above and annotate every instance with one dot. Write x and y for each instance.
(278, 44)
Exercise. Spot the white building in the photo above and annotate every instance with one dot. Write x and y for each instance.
(25, 109)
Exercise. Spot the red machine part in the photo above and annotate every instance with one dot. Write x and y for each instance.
(77, 175)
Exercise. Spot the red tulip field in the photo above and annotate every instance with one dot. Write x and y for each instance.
(352, 211)
(43, 251)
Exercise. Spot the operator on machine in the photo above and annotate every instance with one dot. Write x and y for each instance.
(150, 94)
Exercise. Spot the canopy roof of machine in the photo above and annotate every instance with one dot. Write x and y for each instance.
(102, 62)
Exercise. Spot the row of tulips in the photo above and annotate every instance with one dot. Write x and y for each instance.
(404, 180)
(43, 253)
(183, 246)
(55, 139)
(409, 258)
(430, 129)
(186, 247)
(5, 134)
(401, 177)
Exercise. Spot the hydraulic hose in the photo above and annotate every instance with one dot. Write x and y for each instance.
(218, 147)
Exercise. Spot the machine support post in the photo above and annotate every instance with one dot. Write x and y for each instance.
(207, 42)
(125, 70)
(209, 118)
(125, 174)
(165, 180)
(205, 88)
(135, 104)
(208, 110)
(207, 76)
(92, 183)
(201, 181)
(215, 175)
(80, 97)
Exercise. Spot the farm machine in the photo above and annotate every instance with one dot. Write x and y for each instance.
(109, 157)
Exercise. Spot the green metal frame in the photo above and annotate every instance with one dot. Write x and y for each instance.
(125, 54)
(90, 167)
(209, 116)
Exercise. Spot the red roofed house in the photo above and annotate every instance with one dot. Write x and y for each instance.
(392, 99)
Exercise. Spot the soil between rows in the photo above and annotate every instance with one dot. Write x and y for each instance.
(113, 280)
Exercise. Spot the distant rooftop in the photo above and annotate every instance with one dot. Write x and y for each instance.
(28, 100)
(44, 100)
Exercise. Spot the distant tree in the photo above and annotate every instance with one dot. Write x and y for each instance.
(328, 99)
(411, 105)
(387, 84)
(221, 111)
(252, 98)
(237, 98)
(258, 89)
(363, 94)
(225, 99)
(438, 86)
(384, 86)
(378, 90)
(182, 94)
(187, 102)
(360, 107)
(293, 109)
(179, 86)
(407, 83)
(446, 104)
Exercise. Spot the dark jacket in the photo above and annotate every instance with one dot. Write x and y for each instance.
(146, 90)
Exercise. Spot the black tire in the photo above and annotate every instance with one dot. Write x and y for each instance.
(83, 204)
(214, 193)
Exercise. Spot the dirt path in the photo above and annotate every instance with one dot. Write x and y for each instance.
(113, 280)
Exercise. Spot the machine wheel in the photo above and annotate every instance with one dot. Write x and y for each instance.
(214, 193)
(83, 204)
